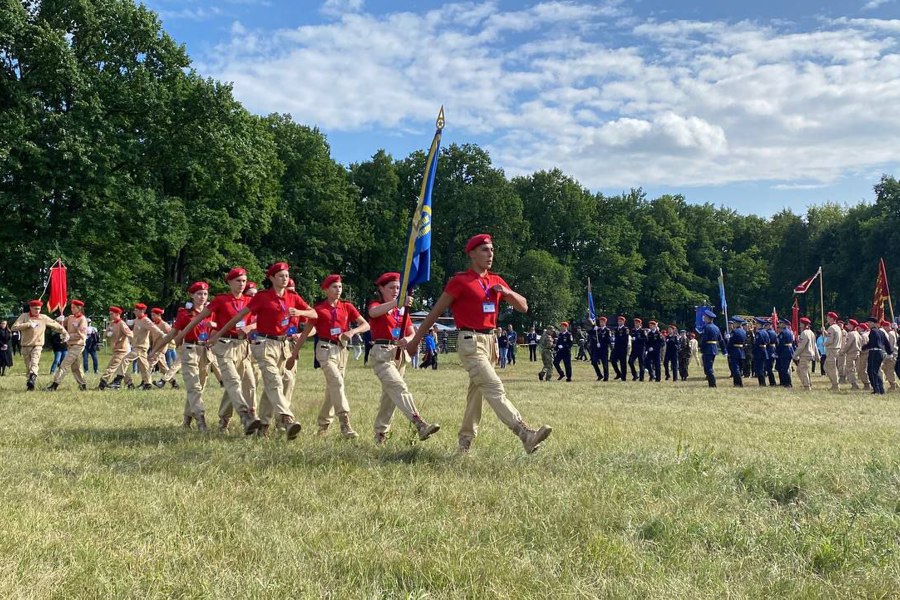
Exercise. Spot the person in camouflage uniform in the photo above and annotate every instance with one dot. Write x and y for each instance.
(546, 345)
(684, 355)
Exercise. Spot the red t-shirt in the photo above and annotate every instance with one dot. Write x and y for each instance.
(334, 320)
(224, 307)
(272, 316)
(383, 327)
(200, 333)
(471, 293)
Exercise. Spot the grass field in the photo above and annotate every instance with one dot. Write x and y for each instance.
(644, 490)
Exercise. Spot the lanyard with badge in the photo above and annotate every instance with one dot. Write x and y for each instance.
(335, 330)
(396, 314)
(238, 306)
(203, 330)
(286, 317)
(488, 306)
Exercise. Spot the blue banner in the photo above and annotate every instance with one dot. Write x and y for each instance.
(698, 318)
(592, 314)
(722, 291)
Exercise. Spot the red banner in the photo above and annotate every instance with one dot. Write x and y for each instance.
(58, 288)
(774, 319)
(804, 285)
(881, 293)
(795, 317)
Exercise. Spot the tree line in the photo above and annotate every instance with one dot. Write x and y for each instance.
(142, 175)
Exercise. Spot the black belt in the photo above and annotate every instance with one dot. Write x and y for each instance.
(277, 338)
(384, 341)
(481, 331)
(329, 341)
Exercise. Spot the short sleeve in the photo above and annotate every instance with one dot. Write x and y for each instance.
(454, 287)
(352, 313)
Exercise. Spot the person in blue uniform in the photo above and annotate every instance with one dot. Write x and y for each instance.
(620, 348)
(773, 351)
(673, 349)
(736, 342)
(710, 340)
(878, 346)
(564, 343)
(531, 338)
(760, 352)
(638, 349)
(598, 340)
(654, 351)
(784, 355)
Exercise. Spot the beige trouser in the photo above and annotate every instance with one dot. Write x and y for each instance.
(161, 363)
(478, 353)
(194, 366)
(394, 392)
(850, 369)
(803, 372)
(333, 360)
(842, 368)
(72, 358)
(888, 367)
(271, 355)
(173, 370)
(831, 367)
(31, 356)
(139, 355)
(233, 358)
(862, 365)
(115, 362)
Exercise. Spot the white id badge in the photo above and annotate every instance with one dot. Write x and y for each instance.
(335, 331)
(284, 322)
(240, 324)
(488, 307)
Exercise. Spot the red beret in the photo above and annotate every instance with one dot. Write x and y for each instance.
(279, 266)
(198, 286)
(833, 315)
(386, 278)
(115, 309)
(251, 284)
(156, 311)
(863, 326)
(140, 306)
(291, 283)
(637, 320)
(37, 303)
(77, 303)
(333, 278)
(805, 320)
(477, 240)
(564, 324)
(885, 323)
(235, 273)
(853, 322)
(602, 318)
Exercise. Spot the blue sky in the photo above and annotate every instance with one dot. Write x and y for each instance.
(755, 106)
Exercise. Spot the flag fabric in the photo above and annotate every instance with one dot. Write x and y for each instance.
(804, 285)
(722, 290)
(882, 293)
(795, 316)
(592, 314)
(58, 288)
(417, 265)
(774, 318)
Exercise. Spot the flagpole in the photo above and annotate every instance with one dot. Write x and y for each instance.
(725, 304)
(888, 288)
(822, 294)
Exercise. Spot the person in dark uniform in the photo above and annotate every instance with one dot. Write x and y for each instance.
(673, 349)
(785, 354)
(773, 351)
(710, 340)
(736, 343)
(598, 341)
(620, 348)
(760, 352)
(878, 346)
(531, 338)
(748, 355)
(638, 349)
(684, 354)
(564, 342)
(654, 351)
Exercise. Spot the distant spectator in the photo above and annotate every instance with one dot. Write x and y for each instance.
(513, 339)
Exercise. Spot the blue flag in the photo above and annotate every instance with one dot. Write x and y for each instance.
(417, 266)
(698, 317)
(722, 290)
(592, 315)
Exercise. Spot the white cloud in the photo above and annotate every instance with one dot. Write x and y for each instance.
(564, 84)
(338, 8)
(190, 14)
(873, 4)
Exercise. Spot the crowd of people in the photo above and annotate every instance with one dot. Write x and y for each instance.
(250, 339)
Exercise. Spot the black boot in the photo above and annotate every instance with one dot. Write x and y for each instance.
(29, 385)
(103, 385)
(52, 387)
(117, 382)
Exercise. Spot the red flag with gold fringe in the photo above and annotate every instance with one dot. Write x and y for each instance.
(58, 288)
(882, 293)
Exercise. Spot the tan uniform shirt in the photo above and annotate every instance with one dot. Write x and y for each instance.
(33, 329)
(142, 331)
(892, 338)
(159, 331)
(833, 340)
(806, 345)
(77, 329)
(852, 345)
(118, 334)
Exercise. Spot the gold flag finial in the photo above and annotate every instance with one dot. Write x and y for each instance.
(440, 119)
